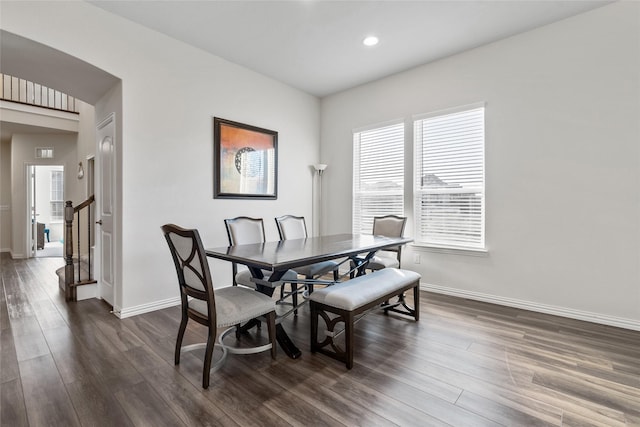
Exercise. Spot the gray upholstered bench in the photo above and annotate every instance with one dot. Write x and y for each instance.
(348, 299)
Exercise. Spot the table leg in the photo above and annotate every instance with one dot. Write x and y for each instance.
(360, 264)
(290, 349)
(286, 344)
(250, 324)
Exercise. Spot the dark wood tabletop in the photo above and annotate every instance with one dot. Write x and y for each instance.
(288, 254)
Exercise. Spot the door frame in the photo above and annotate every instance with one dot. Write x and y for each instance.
(31, 190)
(30, 245)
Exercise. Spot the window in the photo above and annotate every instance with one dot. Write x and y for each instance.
(57, 195)
(44, 153)
(449, 178)
(378, 175)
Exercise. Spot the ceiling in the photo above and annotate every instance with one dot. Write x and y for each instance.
(316, 45)
(313, 45)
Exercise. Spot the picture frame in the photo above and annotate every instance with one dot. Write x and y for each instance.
(245, 161)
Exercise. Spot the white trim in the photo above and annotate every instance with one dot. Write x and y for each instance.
(111, 117)
(147, 308)
(570, 313)
(378, 125)
(618, 322)
(451, 110)
(452, 250)
(29, 192)
(39, 110)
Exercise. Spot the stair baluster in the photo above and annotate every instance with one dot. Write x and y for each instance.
(71, 282)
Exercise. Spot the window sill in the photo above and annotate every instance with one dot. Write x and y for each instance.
(453, 250)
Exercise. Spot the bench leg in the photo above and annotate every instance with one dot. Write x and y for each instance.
(327, 346)
(416, 302)
(349, 340)
(271, 324)
(314, 327)
(294, 297)
(400, 306)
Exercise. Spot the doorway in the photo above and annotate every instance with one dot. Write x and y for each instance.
(46, 210)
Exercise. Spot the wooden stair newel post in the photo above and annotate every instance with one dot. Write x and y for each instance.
(69, 291)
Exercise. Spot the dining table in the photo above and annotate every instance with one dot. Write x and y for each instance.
(278, 257)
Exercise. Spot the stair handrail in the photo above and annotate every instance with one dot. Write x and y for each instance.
(84, 204)
(70, 212)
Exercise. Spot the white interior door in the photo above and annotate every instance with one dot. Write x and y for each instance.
(105, 203)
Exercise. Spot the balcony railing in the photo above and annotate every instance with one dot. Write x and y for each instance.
(23, 91)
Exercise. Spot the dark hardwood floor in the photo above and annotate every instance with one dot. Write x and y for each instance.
(465, 363)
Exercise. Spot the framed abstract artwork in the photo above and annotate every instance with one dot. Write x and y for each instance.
(245, 161)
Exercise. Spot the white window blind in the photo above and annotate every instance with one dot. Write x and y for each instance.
(378, 175)
(449, 179)
(57, 195)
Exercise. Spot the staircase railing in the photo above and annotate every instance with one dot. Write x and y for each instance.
(73, 257)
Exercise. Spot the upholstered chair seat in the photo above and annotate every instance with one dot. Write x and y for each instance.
(234, 305)
(378, 262)
(244, 230)
(292, 227)
(388, 226)
(317, 269)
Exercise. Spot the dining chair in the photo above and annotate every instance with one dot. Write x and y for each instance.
(220, 308)
(388, 226)
(294, 227)
(244, 230)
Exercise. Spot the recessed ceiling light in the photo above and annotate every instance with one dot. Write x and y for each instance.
(370, 41)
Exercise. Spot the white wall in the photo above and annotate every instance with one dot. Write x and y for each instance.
(170, 94)
(562, 163)
(86, 148)
(5, 196)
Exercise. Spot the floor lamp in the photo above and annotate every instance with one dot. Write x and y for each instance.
(320, 167)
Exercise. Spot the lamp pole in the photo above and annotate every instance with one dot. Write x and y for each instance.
(320, 167)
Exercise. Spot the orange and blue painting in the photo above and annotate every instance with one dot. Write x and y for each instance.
(245, 159)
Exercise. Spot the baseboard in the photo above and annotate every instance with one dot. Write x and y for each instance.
(618, 322)
(146, 308)
(602, 319)
(17, 256)
(87, 291)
